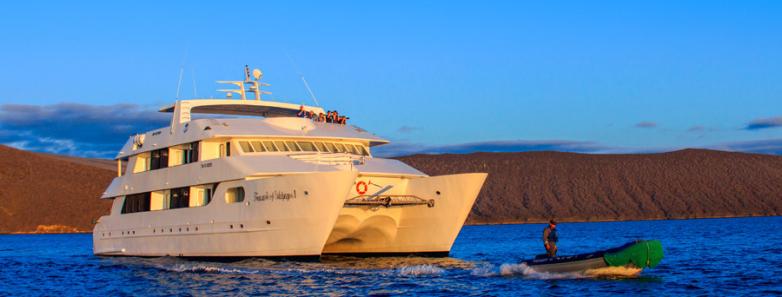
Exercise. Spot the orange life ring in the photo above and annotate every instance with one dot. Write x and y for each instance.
(359, 187)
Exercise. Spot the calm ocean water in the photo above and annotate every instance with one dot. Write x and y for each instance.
(702, 257)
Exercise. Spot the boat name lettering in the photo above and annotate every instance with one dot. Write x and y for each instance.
(275, 195)
(206, 165)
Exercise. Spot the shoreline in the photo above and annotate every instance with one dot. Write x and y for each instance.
(567, 220)
(517, 222)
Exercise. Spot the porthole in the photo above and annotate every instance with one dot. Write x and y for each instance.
(232, 226)
(241, 226)
(268, 222)
(306, 193)
(187, 229)
(170, 230)
(180, 229)
(134, 232)
(438, 192)
(196, 228)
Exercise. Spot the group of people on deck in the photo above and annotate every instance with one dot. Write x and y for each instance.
(331, 116)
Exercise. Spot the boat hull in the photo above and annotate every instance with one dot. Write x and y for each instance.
(285, 216)
(427, 228)
(635, 256)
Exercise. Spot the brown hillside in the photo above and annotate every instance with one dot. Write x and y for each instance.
(50, 193)
(531, 187)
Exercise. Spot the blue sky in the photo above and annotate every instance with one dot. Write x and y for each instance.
(585, 76)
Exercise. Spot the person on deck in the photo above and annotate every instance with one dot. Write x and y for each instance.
(550, 238)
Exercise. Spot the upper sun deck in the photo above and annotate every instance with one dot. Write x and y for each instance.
(261, 118)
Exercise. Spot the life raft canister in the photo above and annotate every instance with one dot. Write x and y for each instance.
(361, 187)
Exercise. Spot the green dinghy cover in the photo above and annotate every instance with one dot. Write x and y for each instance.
(643, 253)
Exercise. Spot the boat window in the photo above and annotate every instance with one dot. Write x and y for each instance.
(321, 147)
(350, 149)
(281, 146)
(234, 195)
(136, 203)
(190, 153)
(258, 146)
(246, 147)
(307, 146)
(362, 150)
(331, 147)
(294, 147)
(159, 159)
(270, 146)
(159, 200)
(201, 196)
(180, 198)
(340, 148)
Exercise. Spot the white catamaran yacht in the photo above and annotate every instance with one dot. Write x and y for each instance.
(276, 179)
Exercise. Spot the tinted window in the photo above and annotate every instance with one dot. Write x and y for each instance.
(270, 146)
(362, 150)
(158, 159)
(246, 147)
(258, 146)
(321, 147)
(234, 195)
(281, 146)
(340, 148)
(293, 146)
(136, 203)
(307, 146)
(350, 149)
(331, 147)
(180, 198)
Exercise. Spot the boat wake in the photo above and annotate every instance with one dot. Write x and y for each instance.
(420, 270)
(604, 272)
(529, 272)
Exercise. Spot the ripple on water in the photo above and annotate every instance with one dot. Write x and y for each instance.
(64, 265)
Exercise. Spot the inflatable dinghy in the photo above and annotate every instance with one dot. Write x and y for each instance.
(634, 256)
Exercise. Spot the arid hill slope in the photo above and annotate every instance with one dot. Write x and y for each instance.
(50, 193)
(533, 186)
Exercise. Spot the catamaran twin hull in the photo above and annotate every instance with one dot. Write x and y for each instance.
(265, 179)
(301, 215)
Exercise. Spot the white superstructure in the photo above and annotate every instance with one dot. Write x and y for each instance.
(272, 184)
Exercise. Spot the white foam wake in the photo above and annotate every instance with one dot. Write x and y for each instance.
(528, 272)
(417, 270)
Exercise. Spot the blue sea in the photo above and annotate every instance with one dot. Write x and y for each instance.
(709, 257)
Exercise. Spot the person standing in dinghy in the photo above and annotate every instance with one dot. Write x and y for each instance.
(550, 238)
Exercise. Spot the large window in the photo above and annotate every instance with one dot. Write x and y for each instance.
(136, 203)
(190, 153)
(159, 159)
(180, 198)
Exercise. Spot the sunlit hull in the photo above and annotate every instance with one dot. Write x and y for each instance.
(429, 227)
(295, 223)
